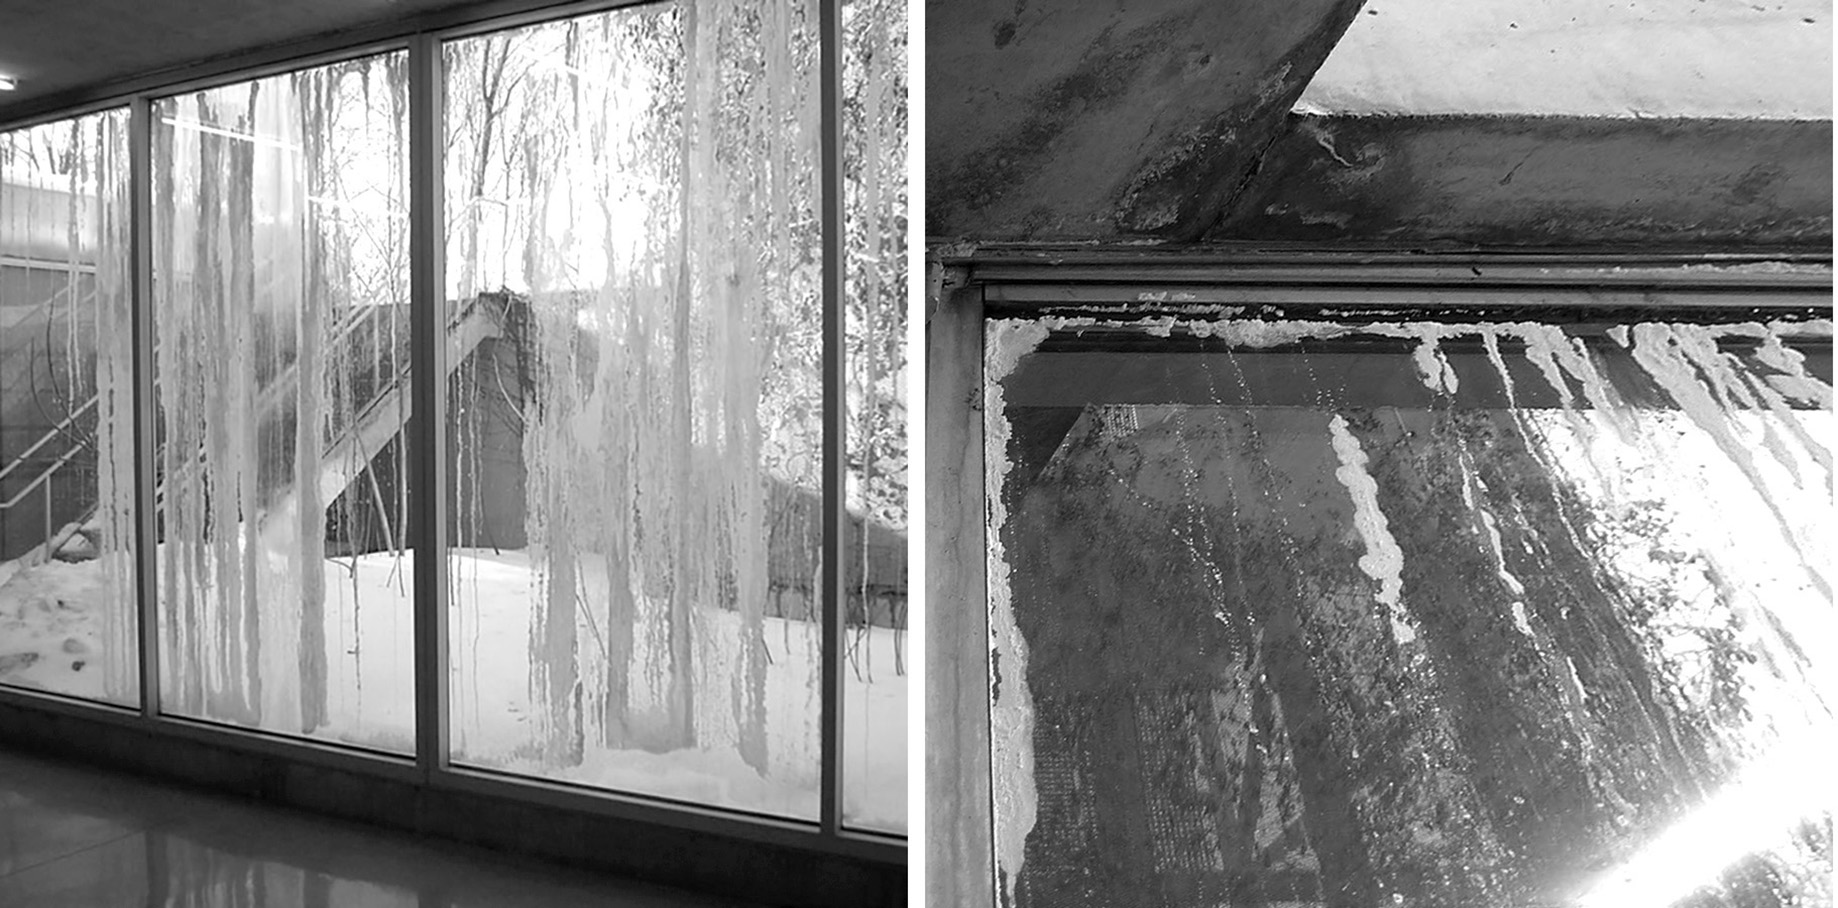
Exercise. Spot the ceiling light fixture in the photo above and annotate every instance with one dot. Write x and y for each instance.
(8, 83)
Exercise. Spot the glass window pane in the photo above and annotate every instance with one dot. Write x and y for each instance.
(874, 551)
(1411, 613)
(635, 413)
(280, 294)
(67, 603)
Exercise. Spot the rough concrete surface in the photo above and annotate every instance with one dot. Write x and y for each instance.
(1055, 120)
(1735, 59)
(1541, 181)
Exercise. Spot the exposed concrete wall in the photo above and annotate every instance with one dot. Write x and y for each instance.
(1734, 59)
(1567, 181)
(1107, 119)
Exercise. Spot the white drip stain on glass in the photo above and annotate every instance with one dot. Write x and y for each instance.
(1674, 356)
(1496, 548)
(1432, 365)
(1011, 713)
(1383, 560)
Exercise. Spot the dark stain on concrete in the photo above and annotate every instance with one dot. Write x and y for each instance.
(1184, 190)
(1507, 180)
(1103, 78)
(1147, 115)
(1755, 183)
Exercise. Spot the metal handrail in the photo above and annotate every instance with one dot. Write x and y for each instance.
(42, 477)
(54, 432)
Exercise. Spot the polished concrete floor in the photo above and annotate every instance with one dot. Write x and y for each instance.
(75, 837)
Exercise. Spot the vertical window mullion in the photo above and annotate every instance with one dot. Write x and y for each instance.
(146, 530)
(427, 435)
(835, 415)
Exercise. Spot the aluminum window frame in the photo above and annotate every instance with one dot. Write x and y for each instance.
(422, 37)
(972, 287)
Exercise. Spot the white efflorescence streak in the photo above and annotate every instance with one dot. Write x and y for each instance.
(1264, 334)
(1433, 365)
(1496, 547)
(1792, 379)
(1011, 710)
(1674, 356)
(1383, 561)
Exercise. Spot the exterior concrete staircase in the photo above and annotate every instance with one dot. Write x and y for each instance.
(342, 460)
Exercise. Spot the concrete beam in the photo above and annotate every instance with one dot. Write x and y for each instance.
(1709, 59)
(1108, 120)
(1540, 181)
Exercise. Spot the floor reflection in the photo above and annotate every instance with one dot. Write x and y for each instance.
(158, 869)
(77, 838)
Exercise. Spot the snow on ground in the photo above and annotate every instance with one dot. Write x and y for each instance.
(50, 632)
(492, 725)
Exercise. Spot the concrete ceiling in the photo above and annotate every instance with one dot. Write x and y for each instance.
(61, 48)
